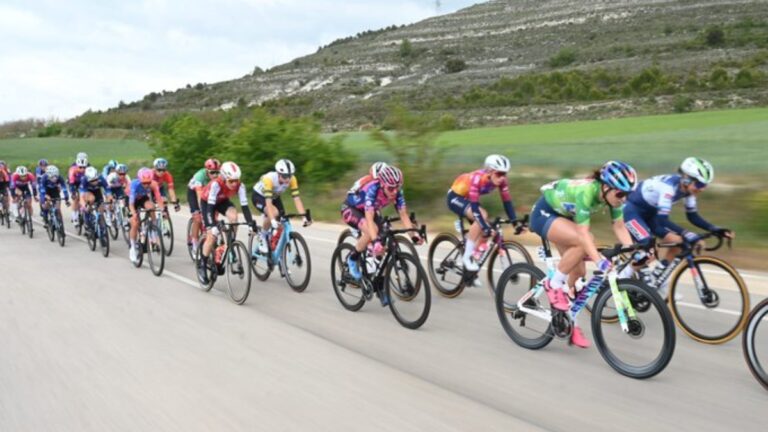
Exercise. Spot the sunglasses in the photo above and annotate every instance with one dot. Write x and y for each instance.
(499, 174)
(160, 170)
(391, 188)
(621, 194)
(213, 172)
(146, 184)
(285, 176)
(232, 181)
(699, 185)
(121, 174)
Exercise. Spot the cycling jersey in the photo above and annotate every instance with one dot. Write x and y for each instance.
(163, 179)
(362, 181)
(52, 187)
(5, 176)
(217, 191)
(107, 170)
(74, 176)
(577, 199)
(137, 191)
(269, 185)
(470, 186)
(28, 184)
(95, 187)
(371, 197)
(39, 172)
(199, 180)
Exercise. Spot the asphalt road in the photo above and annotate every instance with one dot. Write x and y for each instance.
(90, 343)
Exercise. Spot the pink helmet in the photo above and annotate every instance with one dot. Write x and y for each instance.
(145, 175)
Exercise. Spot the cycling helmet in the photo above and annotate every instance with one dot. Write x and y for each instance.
(285, 167)
(391, 176)
(2, 163)
(145, 175)
(82, 155)
(91, 174)
(618, 175)
(698, 169)
(113, 180)
(112, 163)
(22, 171)
(52, 171)
(212, 164)
(121, 169)
(376, 168)
(497, 162)
(42, 162)
(230, 171)
(160, 163)
(81, 162)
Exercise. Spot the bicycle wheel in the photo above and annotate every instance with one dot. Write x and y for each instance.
(722, 313)
(238, 270)
(755, 342)
(510, 252)
(348, 291)
(60, 228)
(103, 234)
(296, 262)
(259, 261)
(406, 245)
(28, 221)
(50, 228)
(346, 236)
(125, 226)
(155, 250)
(647, 347)
(408, 289)
(22, 221)
(90, 234)
(167, 230)
(445, 266)
(80, 222)
(114, 229)
(529, 330)
(190, 249)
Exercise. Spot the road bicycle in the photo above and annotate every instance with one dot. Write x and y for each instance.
(351, 235)
(639, 345)
(230, 258)
(287, 250)
(446, 268)
(55, 222)
(755, 342)
(150, 242)
(96, 230)
(113, 217)
(25, 217)
(5, 214)
(397, 278)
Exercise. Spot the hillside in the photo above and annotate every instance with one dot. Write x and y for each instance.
(713, 52)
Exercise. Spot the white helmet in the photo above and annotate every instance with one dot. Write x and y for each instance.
(376, 169)
(91, 173)
(113, 180)
(52, 171)
(82, 155)
(391, 176)
(22, 170)
(82, 162)
(285, 167)
(497, 162)
(698, 169)
(230, 171)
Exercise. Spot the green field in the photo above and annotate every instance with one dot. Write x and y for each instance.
(62, 151)
(735, 141)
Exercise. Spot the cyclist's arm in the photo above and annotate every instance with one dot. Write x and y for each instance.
(295, 194)
(474, 201)
(244, 204)
(158, 195)
(506, 198)
(582, 217)
(693, 216)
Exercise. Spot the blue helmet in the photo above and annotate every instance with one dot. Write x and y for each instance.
(618, 175)
(112, 163)
(43, 162)
(160, 163)
(121, 168)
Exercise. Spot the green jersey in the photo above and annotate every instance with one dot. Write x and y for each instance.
(200, 179)
(577, 199)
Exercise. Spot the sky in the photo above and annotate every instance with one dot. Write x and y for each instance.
(59, 58)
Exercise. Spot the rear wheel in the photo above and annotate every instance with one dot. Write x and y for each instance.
(527, 329)
(445, 266)
(347, 290)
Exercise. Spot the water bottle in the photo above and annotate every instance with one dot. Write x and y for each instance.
(276, 237)
(480, 251)
(370, 264)
(219, 253)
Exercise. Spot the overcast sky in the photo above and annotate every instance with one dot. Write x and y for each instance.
(59, 58)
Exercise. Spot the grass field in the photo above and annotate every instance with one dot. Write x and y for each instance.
(62, 151)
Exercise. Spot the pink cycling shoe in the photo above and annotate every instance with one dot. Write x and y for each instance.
(557, 297)
(578, 339)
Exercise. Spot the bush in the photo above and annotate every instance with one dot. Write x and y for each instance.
(682, 104)
(565, 57)
(455, 65)
(53, 129)
(714, 37)
(745, 78)
(406, 49)
(186, 142)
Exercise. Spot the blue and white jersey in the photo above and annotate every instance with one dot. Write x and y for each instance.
(660, 193)
(48, 186)
(99, 185)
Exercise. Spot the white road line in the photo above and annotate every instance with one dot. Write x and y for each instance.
(698, 306)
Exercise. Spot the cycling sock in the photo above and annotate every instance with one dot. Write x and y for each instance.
(469, 249)
(558, 281)
(15, 209)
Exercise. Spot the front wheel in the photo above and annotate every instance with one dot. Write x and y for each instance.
(408, 289)
(510, 252)
(716, 314)
(238, 270)
(103, 235)
(296, 262)
(529, 326)
(60, 227)
(646, 347)
(259, 261)
(445, 266)
(50, 229)
(155, 250)
(347, 290)
(755, 342)
(167, 230)
(114, 226)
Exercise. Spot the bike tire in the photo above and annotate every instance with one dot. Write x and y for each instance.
(687, 327)
(758, 315)
(91, 236)
(507, 309)
(167, 230)
(103, 235)
(51, 227)
(190, 249)
(298, 246)
(60, 229)
(23, 218)
(349, 293)
(238, 267)
(406, 245)
(125, 227)
(259, 263)
(411, 291)
(345, 236)
(156, 263)
(511, 248)
(450, 263)
(30, 228)
(663, 358)
(114, 228)
(80, 223)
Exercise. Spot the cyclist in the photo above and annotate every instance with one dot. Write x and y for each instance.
(23, 186)
(362, 211)
(75, 176)
(5, 182)
(109, 168)
(647, 211)
(464, 200)
(266, 197)
(52, 186)
(139, 197)
(372, 175)
(93, 190)
(216, 198)
(164, 179)
(42, 164)
(202, 177)
(562, 216)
